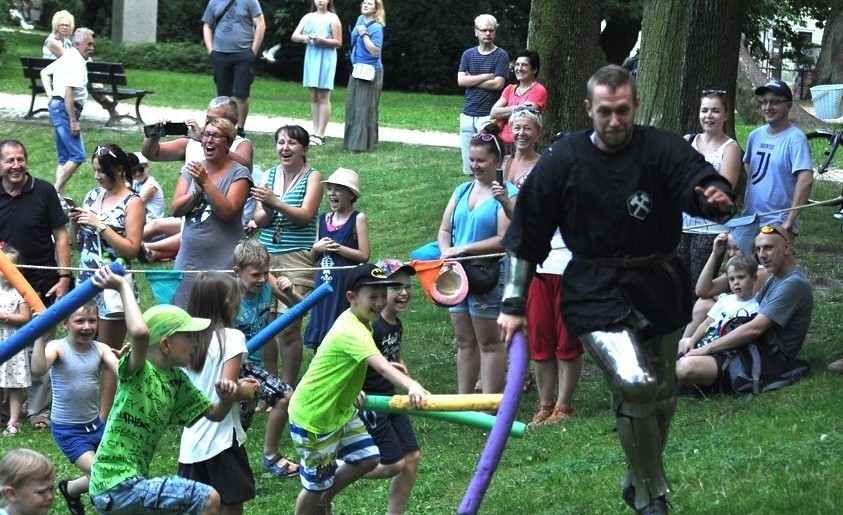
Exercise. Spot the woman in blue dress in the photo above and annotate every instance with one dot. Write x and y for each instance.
(320, 30)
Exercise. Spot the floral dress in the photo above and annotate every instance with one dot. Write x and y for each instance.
(14, 373)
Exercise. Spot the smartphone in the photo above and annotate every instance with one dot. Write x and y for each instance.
(499, 176)
(70, 203)
(175, 129)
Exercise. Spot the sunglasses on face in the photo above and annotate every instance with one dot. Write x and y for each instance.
(718, 92)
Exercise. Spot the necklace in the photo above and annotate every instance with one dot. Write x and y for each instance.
(523, 92)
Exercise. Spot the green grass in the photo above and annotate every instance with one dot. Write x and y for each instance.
(778, 453)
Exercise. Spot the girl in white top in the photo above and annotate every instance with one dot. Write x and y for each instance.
(213, 452)
(724, 154)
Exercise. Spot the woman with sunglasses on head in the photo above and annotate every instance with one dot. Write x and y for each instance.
(724, 154)
(288, 204)
(108, 227)
(210, 195)
(557, 356)
(527, 92)
(473, 224)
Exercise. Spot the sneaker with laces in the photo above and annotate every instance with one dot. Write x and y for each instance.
(836, 366)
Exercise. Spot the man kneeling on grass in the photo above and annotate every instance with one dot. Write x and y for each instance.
(778, 330)
(323, 420)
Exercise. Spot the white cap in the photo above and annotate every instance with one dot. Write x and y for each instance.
(141, 159)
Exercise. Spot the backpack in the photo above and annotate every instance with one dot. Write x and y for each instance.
(754, 369)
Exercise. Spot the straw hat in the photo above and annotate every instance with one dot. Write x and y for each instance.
(450, 286)
(345, 177)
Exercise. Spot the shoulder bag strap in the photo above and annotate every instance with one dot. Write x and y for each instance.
(222, 15)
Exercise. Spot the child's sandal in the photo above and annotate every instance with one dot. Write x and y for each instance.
(12, 428)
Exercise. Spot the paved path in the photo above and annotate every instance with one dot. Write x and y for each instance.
(16, 106)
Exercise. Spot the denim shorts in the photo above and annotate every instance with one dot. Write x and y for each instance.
(318, 466)
(74, 440)
(169, 494)
(484, 305)
(69, 147)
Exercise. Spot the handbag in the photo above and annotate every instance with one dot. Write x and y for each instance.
(363, 71)
(482, 274)
(111, 299)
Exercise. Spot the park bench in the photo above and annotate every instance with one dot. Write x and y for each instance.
(105, 78)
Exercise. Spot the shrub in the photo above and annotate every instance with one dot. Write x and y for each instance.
(179, 57)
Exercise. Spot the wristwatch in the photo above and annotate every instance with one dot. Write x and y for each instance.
(101, 227)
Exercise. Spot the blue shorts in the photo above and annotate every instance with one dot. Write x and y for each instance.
(169, 494)
(234, 73)
(484, 305)
(74, 440)
(318, 465)
(69, 147)
(392, 433)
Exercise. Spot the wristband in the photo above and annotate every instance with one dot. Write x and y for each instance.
(65, 276)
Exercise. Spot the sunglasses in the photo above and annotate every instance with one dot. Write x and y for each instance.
(105, 151)
(525, 109)
(719, 92)
(772, 229)
(485, 136)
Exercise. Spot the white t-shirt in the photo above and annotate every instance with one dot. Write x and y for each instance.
(155, 205)
(70, 70)
(205, 439)
(696, 224)
(727, 307)
(558, 258)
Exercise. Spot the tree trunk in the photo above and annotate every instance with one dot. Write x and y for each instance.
(687, 47)
(566, 34)
(663, 33)
(830, 61)
(712, 53)
(749, 78)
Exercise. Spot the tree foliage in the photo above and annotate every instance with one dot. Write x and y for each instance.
(783, 16)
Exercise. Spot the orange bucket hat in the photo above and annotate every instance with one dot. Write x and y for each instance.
(427, 271)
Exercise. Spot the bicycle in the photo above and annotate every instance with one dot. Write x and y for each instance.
(824, 146)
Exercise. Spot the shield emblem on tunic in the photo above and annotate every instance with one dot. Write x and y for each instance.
(639, 204)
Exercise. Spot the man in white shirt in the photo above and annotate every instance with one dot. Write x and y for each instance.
(65, 82)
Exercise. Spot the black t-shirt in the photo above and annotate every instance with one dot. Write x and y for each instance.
(388, 341)
(27, 222)
(614, 205)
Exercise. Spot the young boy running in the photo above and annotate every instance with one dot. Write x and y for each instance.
(153, 392)
(392, 432)
(257, 288)
(323, 421)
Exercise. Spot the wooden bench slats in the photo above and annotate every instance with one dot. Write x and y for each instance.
(103, 77)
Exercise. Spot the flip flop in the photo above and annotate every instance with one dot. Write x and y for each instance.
(74, 504)
(281, 471)
(12, 428)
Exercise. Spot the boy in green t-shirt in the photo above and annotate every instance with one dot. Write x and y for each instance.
(323, 420)
(153, 392)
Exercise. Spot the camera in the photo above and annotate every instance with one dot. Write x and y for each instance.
(271, 389)
(160, 130)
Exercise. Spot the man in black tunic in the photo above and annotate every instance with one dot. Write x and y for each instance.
(617, 193)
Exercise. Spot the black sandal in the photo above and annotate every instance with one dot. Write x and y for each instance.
(74, 504)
